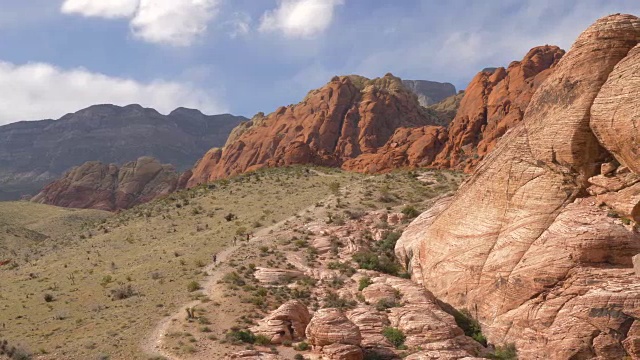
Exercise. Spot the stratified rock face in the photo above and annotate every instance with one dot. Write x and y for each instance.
(34, 153)
(342, 352)
(430, 92)
(288, 322)
(331, 326)
(493, 103)
(95, 185)
(348, 117)
(523, 244)
(379, 125)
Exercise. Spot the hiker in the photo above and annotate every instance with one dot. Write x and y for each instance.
(215, 258)
(247, 236)
(235, 240)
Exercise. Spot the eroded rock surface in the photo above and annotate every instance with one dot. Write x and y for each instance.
(544, 264)
(331, 326)
(288, 322)
(95, 185)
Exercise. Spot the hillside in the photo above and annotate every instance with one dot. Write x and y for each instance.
(33, 153)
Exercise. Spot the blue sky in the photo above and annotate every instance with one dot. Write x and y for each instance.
(245, 56)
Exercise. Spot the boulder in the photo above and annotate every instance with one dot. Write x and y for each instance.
(331, 326)
(342, 352)
(288, 322)
(275, 275)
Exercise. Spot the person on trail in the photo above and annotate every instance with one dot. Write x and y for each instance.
(247, 236)
(235, 240)
(215, 258)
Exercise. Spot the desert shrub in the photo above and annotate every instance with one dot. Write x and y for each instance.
(384, 263)
(302, 346)
(236, 336)
(384, 304)
(333, 300)
(262, 340)
(193, 286)
(122, 292)
(364, 282)
(410, 211)
(395, 336)
(233, 278)
(48, 297)
(506, 352)
(343, 267)
(298, 357)
(469, 325)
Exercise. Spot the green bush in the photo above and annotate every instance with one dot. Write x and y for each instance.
(364, 282)
(193, 286)
(298, 357)
(302, 346)
(262, 340)
(469, 325)
(410, 212)
(395, 336)
(506, 352)
(369, 260)
(240, 336)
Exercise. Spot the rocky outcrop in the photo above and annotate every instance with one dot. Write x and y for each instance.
(430, 92)
(523, 244)
(331, 326)
(287, 323)
(379, 125)
(349, 116)
(276, 276)
(34, 153)
(253, 355)
(494, 102)
(342, 352)
(95, 185)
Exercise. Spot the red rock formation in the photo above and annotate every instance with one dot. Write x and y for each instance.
(95, 185)
(523, 244)
(378, 125)
(348, 117)
(493, 103)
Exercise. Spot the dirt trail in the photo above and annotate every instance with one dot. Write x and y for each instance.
(153, 344)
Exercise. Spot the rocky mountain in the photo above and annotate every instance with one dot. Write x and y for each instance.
(102, 186)
(33, 153)
(349, 116)
(538, 243)
(379, 125)
(430, 92)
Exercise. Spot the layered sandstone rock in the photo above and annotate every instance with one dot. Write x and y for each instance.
(430, 92)
(522, 244)
(288, 322)
(342, 352)
(331, 326)
(253, 355)
(275, 276)
(95, 185)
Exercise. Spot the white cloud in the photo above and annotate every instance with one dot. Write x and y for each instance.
(101, 8)
(173, 22)
(39, 91)
(300, 18)
(239, 25)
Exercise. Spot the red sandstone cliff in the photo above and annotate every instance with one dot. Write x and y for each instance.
(378, 125)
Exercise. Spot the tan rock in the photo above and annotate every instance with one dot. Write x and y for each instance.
(253, 355)
(342, 352)
(538, 266)
(276, 276)
(636, 266)
(615, 115)
(288, 322)
(331, 326)
(371, 323)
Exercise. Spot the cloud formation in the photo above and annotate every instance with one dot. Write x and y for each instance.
(300, 18)
(172, 22)
(40, 90)
(107, 9)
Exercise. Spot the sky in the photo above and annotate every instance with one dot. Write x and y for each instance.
(247, 56)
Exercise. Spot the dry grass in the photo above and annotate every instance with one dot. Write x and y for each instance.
(156, 250)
